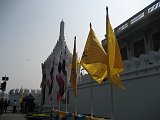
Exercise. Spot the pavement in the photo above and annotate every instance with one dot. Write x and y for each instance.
(11, 116)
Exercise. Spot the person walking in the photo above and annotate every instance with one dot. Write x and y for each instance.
(1, 106)
(24, 107)
(5, 105)
(14, 106)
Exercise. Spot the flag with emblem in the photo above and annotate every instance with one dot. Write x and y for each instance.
(94, 58)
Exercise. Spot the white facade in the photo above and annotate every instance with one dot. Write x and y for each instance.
(140, 101)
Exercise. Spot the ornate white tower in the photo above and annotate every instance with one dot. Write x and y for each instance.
(59, 47)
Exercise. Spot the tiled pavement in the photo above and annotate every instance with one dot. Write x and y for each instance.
(11, 116)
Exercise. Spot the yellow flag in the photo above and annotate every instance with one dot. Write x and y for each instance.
(21, 95)
(115, 64)
(94, 58)
(73, 76)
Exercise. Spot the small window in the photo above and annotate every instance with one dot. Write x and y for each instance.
(139, 48)
(156, 41)
(124, 53)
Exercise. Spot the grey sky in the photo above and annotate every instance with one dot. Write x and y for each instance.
(29, 29)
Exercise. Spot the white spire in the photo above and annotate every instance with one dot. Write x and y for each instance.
(61, 36)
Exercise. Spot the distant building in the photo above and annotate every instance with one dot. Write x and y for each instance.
(140, 34)
(139, 41)
(15, 94)
(5, 95)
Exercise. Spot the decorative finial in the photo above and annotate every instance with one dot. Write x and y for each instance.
(107, 10)
(90, 25)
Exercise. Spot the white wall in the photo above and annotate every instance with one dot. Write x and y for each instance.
(140, 101)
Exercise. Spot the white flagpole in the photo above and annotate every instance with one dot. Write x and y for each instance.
(53, 84)
(112, 111)
(53, 96)
(66, 82)
(112, 116)
(66, 96)
(91, 89)
(76, 97)
(59, 105)
(77, 69)
(76, 106)
(91, 100)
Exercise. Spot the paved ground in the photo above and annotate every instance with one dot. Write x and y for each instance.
(12, 116)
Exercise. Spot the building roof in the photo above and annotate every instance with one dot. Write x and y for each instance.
(145, 19)
(29, 97)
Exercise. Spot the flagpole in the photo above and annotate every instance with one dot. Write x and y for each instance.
(77, 74)
(59, 106)
(53, 86)
(91, 88)
(77, 91)
(91, 100)
(77, 88)
(112, 116)
(76, 107)
(53, 96)
(66, 96)
(65, 81)
(112, 111)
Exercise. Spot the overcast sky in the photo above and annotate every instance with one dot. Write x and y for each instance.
(29, 30)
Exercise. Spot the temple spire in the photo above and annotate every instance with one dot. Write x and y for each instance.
(61, 36)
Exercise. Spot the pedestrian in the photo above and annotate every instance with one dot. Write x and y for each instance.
(14, 106)
(24, 106)
(5, 105)
(1, 106)
(21, 105)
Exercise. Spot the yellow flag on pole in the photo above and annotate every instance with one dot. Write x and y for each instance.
(21, 94)
(94, 58)
(115, 64)
(73, 76)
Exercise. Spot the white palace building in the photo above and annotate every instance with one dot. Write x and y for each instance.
(139, 42)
